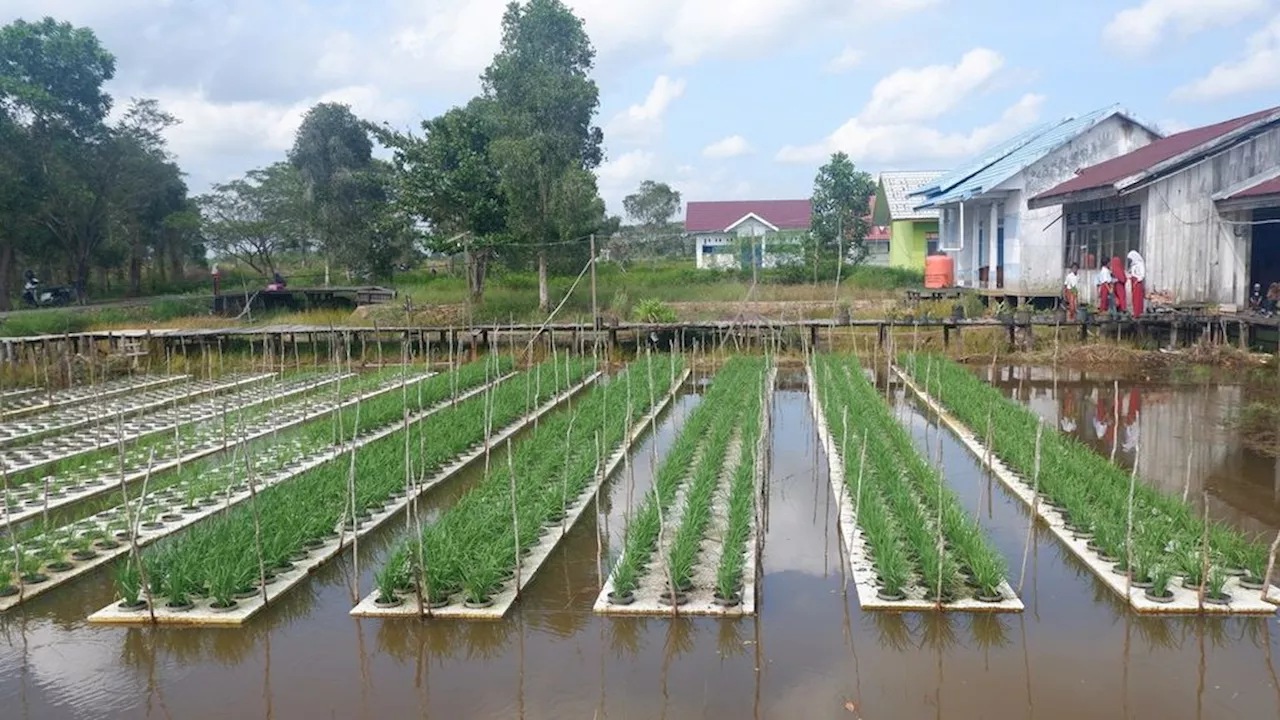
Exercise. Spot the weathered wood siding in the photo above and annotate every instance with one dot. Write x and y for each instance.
(1191, 252)
(1033, 239)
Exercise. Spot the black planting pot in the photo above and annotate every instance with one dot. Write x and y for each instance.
(731, 601)
(8, 590)
(136, 606)
(152, 525)
(1144, 584)
(625, 598)
(246, 594)
(188, 509)
(178, 608)
(106, 544)
(313, 543)
(60, 566)
(1235, 571)
(170, 517)
(485, 603)
(207, 502)
(34, 578)
(1166, 598)
(891, 597)
(982, 597)
(1218, 599)
(391, 602)
(83, 555)
(1251, 583)
(231, 605)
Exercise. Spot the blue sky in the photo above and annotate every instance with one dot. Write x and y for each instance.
(722, 100)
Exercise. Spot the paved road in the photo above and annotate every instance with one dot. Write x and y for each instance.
(117, 303)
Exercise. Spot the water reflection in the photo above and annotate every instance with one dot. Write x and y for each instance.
(1179, 431)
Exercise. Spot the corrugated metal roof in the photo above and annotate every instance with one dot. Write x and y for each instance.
(719, 216)
(1144, 158)
(1262, 187)
(898, 186)
(1005, 161)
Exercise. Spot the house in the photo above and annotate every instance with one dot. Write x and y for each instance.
(877, 238)
(1201, 206)
(984, 220)
(913, 234)
(738, 233)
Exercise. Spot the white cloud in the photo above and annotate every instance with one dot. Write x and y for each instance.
(1172, 126)
(643, 122)
(619, 176)
(848, 59)
(1258, 69)
(915, 94)
(906, 142)
(1139, 29)
(728, 147)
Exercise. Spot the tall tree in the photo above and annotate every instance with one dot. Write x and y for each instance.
(447, 179)
(51, 100)
(257, 217)
(545, 102)
(331, 151)
(652, 205)
(841, 196)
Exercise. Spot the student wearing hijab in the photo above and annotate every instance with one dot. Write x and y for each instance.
(1118, 283)
(1137, 282)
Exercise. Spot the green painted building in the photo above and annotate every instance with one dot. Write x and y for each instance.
(913, 234)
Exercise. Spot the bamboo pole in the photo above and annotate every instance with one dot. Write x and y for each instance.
(355, 516)
(257, 525)
(515, 518)
(132, 523)
(1128, 532)
(1035, 509)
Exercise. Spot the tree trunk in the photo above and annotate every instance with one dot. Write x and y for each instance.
(477, 267)
(175, 262)
(6, 271)
(135, 269)
(544, 293)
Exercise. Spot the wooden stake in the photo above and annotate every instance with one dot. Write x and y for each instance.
(515, 517)
(1035, 509)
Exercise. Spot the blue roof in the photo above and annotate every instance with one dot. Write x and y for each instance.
(1002, 162)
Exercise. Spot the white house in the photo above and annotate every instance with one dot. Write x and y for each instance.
(983, 211)
(737, 233)
(1201, 206)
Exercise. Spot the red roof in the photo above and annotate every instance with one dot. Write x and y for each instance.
(1267, 187)
(1116, 169)
(719, 216)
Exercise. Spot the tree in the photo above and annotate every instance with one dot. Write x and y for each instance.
(51, 99)
(331, 149)
(448, 181)
(841, 195)
(255, 218)
(652, 205)
(544, 102)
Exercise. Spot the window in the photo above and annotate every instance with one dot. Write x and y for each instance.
(931, 243)
(1093, 237)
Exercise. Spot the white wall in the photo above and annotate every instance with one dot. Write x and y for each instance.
(729, 257)
(1034, 239)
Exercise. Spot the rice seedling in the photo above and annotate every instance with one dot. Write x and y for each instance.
(741, 507)
(79, 531)
(480, 542)
(1090, 492)
(315, 504)
(698, 452)
(902, 506)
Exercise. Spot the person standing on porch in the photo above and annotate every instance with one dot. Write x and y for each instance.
(1070, 290)
(1104, 288)
(1118, 283)
(1137, 282)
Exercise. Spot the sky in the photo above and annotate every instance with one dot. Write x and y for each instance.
(722, 100)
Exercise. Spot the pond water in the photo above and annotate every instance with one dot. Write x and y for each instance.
(810, 653)
(1178, 433)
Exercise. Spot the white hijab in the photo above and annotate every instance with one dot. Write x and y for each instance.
(1137, 268)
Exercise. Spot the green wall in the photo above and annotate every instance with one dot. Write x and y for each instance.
(907, 244)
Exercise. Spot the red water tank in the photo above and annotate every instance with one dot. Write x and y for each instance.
(939, 271)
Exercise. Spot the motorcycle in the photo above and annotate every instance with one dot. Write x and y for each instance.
(56, 296)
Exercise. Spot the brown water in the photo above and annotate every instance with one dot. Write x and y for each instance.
(811, 653)
(1177, 433)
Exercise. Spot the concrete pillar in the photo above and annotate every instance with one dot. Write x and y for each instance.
(993, 231)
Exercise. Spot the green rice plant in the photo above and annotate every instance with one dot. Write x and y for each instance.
(903, 505)
(311, 505)
(1161, 575)
(129, 582)
(741, 505)
(472, 548)
(1093, 491)
(698, 452)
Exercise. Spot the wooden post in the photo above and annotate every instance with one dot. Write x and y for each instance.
(595, 307)
(946, 336)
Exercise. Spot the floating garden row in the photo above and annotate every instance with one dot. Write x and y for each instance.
(473, 561)
(1086, 501)
(700, 511)
(76, 540)
(31, 401)
(94, 410)
(897, 512)
(245, 549)
(50, 453)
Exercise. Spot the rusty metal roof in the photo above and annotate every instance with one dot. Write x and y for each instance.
(1145, 158)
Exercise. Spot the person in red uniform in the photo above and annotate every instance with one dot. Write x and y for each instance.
(1118, 283)
(1137, 283)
